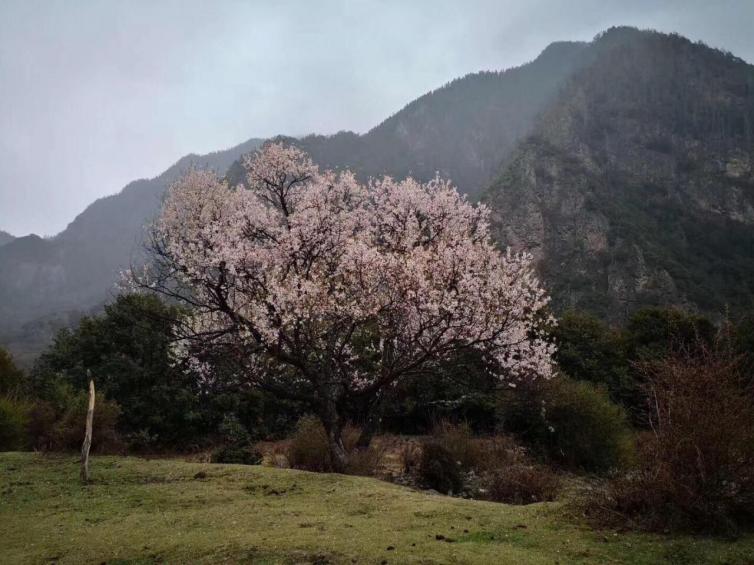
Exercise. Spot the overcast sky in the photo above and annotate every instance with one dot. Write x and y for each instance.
(96, 94)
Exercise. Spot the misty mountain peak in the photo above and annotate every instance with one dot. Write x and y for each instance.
(5, 237)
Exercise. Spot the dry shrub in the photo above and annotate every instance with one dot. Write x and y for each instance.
(522, 484)
(477, 454)
(365, 461)
(497, 452)
(61, 427)
(275, 454)
(236, 453)
(452, 460)
(445, 456)
(439, 469)
(309, 450)
(410, 457)
(506, 474)
(458, 441)
(68, 432)
(697, 463)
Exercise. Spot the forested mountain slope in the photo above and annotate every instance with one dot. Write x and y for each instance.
(462, 130)
(624, 164)
(44, 279)
(636, 186)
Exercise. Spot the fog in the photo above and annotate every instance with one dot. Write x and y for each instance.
(95, 94)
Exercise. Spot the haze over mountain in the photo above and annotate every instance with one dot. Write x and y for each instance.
(96, 94)
(462, 130)
(46, 283)
(636, 187)
(5, 237)
(624, 164)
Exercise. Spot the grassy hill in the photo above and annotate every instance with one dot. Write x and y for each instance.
(139, 511)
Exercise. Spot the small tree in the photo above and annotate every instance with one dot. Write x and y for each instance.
(325, 289)
(696, 465)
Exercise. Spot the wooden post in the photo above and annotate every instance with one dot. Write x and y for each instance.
(88, 435)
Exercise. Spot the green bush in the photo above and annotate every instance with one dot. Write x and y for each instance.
(14, 420)
(462, 388)
(588, 350)
(233, 432)
(127, 352)
(12, 380)
(238, 447)
(570, 423)
(439, 470)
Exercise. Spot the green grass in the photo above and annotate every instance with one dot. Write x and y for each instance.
(138, 511)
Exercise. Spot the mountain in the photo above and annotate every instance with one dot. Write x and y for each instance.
(462, 130)
(44, 280)
(636, 187)
(624, 164)
(5, 237)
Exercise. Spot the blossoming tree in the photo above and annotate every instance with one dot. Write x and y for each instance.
(326, 289)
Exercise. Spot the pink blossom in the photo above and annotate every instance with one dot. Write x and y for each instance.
(360, 283)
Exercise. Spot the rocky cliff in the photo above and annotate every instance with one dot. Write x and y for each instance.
(636, 185)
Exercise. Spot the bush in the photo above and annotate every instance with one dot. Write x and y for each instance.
(236, 453)
(14, 420)
(59, 424)
(69, 429)
(439, 470)
(365, 461)
(238, 448)
(697, 463)
(233, 432)
(588, 350)
(498, 452)
(495, 468)
(477, 454)
(522, 484)
(459, 443)
(12, 381)
(410, 456)
(41, 426)
(309, 450)
(570, 423)
(127, 351)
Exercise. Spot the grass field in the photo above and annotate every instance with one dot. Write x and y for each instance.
(139, 511)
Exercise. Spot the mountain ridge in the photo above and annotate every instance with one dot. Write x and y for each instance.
(541, 143)
(75, 270)
(635, 188)
(5, 237)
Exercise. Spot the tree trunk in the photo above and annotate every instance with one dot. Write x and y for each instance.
(88, 435)
(333, 425)
(368, 430)
(337, 450)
